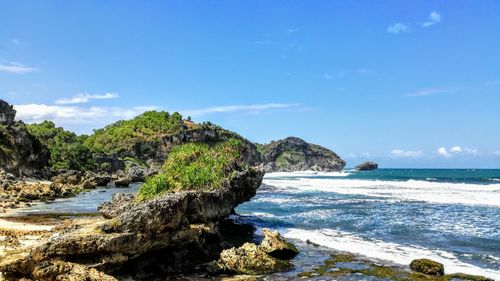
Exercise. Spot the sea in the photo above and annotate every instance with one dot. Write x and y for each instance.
(396, 215)
(393, 215)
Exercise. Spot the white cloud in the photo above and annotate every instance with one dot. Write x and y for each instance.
(496, 153)
(16, 68)
(397, 28)
(430, 91)
(327, 76)
(84, 98)
(434, 17)
(443, 152)
(64, 115)
(406, 153)
(457, 150)
(238, 108)
(292, 30)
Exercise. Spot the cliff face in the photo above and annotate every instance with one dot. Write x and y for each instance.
(20, 153)
(294, 154)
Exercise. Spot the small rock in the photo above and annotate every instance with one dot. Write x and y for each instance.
(428, 267)
(249, 259)
(367, 166)
(275, 245)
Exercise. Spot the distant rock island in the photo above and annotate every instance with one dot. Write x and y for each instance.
(367, 166)
(294, 154)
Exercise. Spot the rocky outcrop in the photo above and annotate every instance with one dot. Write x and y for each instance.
(276, 246)
(427, 266)
(367, 166)
(20, 153)
(121, 179)
(7, 113)
(139, 230)
(270, 256)
(249, 259)
(294, 154)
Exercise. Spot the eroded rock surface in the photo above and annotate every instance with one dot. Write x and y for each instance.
(275, 245)
(136, 230)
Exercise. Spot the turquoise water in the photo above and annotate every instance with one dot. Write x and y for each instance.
(397, 215)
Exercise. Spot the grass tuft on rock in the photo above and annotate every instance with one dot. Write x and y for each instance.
(194, 166)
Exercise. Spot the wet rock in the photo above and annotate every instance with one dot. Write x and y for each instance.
(367, 166)
(249, 259)
(275, 245)
(427, 266)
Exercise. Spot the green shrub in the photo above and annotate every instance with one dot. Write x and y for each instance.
(123, 135)
(67, 150)
(194, 166)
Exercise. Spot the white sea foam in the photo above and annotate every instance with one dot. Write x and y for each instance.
(416, 190)
(376, 249)
(306, 173)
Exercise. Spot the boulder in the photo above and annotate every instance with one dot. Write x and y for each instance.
(92, 180)
(249, 259)
(275, 245)
(367, 166)
(427, 266)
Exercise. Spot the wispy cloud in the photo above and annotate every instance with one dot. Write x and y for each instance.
(456, 151)
(292, 30)
(16, 68)
(327, 76)
(431, 91)
(84, 98)
(400, 153)
(433, 18)
(397, 28)
(62, 114)
(256, 108)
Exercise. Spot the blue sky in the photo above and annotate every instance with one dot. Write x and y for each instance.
(405, 83)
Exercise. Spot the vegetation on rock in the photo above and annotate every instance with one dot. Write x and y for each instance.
(123, 135)
(67, 150)
(294, 154)
(194, 166)
(427, 266)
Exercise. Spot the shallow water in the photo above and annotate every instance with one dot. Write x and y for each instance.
(452, 216)
(86, 202)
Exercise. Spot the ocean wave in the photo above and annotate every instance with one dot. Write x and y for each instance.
(411, 190)
(376, 249)
(306, 173)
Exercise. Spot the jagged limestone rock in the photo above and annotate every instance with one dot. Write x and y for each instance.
(250, 259)
(275, 245)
